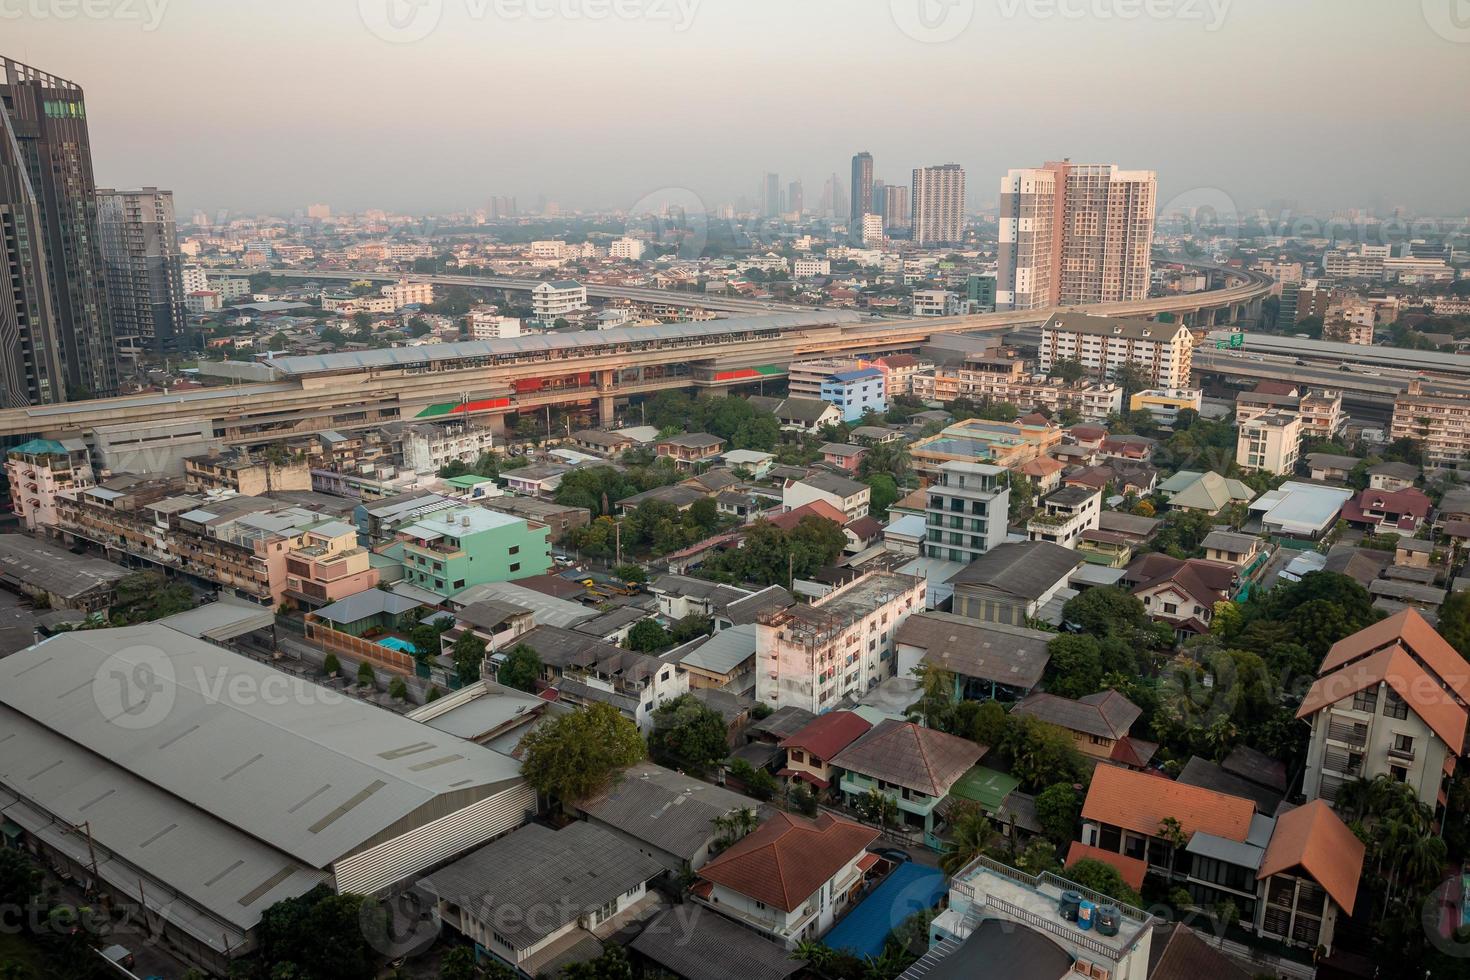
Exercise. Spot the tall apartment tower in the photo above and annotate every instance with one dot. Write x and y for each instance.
(938, 204)
(896, 208)
(862, 187)
(1074, 233)
(795, 197)
(145, 282)
(47, 119)
(30, 354)
(771, 196)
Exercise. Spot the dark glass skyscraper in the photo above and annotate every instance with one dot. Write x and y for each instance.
(145, 273)
(30, 362)
(862, 187)
(47, 118)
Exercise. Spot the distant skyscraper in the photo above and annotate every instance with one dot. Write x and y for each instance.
(771, 195)
(834, 201)
(145, 285)
(938, 204)
(879, 189)
(30, 357)
(794, 198)
(1074, 233)
(896, 208)
(48, 122)
(862, 185)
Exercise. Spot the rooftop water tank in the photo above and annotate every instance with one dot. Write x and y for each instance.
(1108, 919)
(1086, 913)
(1068, 905)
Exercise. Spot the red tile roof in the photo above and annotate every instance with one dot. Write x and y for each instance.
(826, 735)
(1132, 869)
(1139, 802)
(1312, 838)
(786, 859)
(817, 508)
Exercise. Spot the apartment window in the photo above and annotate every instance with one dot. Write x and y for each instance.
(459, 583)
(1366, 700)
(515, 549)
(515, 566)
(1399, 774)
(1403, 743)
(1395, 706)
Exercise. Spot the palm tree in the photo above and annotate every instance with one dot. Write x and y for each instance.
(817, 955)
(971, 834)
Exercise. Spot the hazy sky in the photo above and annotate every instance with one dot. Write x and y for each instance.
(272, 104)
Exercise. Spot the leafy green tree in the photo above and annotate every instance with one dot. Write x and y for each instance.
(647, 636)
(611, 965)
(521, 668)
(631, 573)
(331, 666)
(1075, 669)
(398, 689)
(970, 834)
(988, 727)
(321, 934)
(1454, 622)
(883, 493)
(365, 674)
(1105, 611)
(1057, 810)
(574, 756)
(690, 627)
(688, 735)
(1104, 879)
(425, 638)
(468, 654)
(1042, 753)
(804, 801)
(20, 880)
(1070, 371)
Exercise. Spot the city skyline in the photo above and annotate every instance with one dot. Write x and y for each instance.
(1196, 130)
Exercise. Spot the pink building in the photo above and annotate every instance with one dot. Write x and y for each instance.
(328, 565)
(40, 469)
(844, 457)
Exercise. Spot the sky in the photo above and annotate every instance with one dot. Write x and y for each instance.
(430, 106)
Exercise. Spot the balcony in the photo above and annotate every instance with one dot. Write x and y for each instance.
(1402, 754)
(1353, 735)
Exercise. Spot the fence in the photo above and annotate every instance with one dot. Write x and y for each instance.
(360, 649)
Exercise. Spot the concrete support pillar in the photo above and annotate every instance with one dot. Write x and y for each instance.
(606, 410)
(496, 424)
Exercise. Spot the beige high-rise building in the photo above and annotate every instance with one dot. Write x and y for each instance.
(1074, 233)
(938, 202)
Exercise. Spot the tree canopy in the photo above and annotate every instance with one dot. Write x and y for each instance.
(577, 755)
(688, 735)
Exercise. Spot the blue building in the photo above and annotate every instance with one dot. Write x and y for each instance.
(854, 392)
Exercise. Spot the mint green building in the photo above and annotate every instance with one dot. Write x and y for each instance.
(454, 549)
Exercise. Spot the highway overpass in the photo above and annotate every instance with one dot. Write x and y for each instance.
(487, 380)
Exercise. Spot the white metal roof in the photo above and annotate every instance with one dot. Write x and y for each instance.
(305, 769)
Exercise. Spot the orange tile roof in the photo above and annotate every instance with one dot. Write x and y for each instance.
(816, 508)
(1407, 677)
(1132, 869)
(1411, 631)
(786, 859)
(1312, 838)
(1139, 802)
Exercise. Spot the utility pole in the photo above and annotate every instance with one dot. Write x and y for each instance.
(618, 540)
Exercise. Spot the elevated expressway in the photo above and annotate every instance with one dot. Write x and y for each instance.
(487, 380)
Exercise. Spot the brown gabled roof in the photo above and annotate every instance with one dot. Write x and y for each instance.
(906, 754)
(1139, 802)
(1203, 580)
(1411, 631)
(1407, 677)
(1183, 955)
(1312, 838)
(1106, 714)
(817, 508)
(786, 859)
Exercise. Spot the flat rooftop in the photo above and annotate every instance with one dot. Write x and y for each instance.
(1005, 892)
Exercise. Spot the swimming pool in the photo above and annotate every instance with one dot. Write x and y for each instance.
(394, 643)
